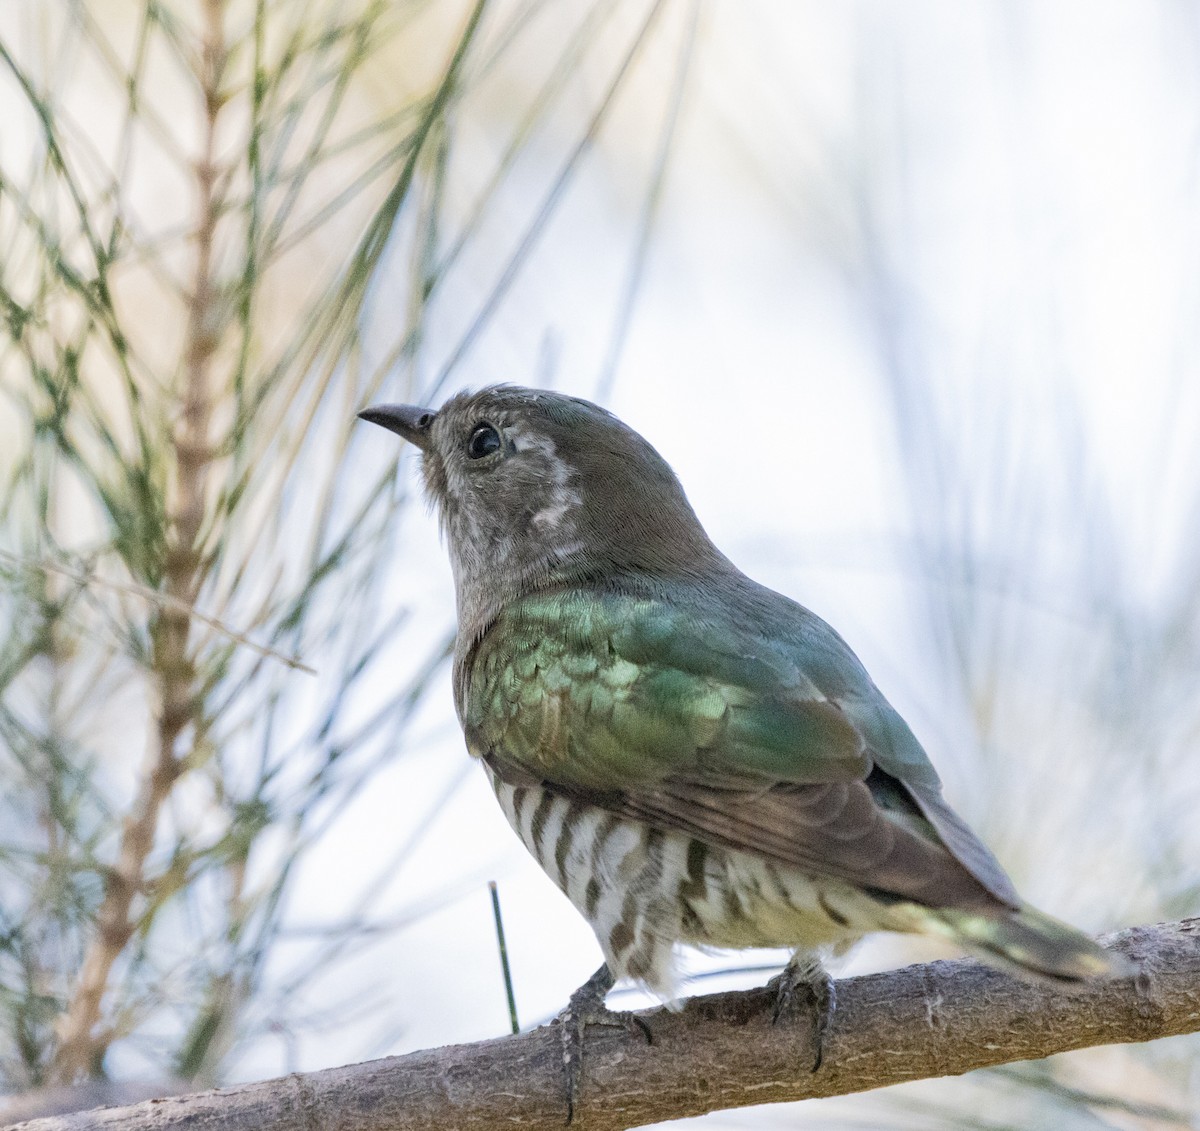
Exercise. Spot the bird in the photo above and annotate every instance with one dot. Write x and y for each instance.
(691, 757)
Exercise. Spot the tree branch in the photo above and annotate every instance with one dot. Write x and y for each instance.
(720, 1051)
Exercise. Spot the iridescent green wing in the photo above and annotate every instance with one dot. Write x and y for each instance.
(608, 691)
(751, 727)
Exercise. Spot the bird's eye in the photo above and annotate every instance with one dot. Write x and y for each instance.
(484, 440)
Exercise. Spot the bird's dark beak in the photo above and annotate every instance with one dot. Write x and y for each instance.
(405, 420)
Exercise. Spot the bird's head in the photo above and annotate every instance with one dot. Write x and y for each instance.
(534, 488)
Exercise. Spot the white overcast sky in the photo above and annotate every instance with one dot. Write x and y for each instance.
(1022, 177)
(918, 330)
(893, 238)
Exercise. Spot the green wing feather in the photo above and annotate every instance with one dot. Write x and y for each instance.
(595, 691)
(744, 720)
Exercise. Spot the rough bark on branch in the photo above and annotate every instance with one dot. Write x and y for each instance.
(721, 1051)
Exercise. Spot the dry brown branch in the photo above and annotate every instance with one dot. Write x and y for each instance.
(81, 1041)
(721, 1051)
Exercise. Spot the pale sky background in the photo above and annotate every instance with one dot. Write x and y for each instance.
(918, 331)
(1013, 186)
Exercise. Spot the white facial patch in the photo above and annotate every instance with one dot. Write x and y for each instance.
(563, 498)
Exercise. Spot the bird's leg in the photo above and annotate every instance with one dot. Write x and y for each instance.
(805, 977)
(585, 1008)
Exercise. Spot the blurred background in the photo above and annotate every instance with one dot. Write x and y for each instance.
(907, 295)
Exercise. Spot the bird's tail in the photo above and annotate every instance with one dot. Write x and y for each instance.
(1031, 944)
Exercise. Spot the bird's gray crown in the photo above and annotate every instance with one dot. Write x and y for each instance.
(535, 488)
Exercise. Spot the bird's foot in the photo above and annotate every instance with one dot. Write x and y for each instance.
(804, 983)
(585, 1008)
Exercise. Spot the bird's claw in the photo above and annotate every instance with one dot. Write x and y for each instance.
(585, 1008)
(805, 983)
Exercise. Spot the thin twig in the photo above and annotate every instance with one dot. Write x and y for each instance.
(508, 983)
(161, 601)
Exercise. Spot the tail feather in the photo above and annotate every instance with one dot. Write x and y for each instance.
(1031, 944)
